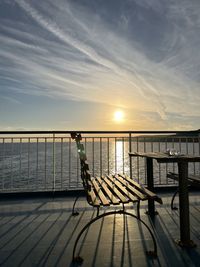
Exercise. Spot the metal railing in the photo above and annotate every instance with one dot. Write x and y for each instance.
(48, 160)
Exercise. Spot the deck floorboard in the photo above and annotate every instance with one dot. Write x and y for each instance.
(41, 232)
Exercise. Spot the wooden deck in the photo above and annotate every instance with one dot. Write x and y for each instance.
(41, 232)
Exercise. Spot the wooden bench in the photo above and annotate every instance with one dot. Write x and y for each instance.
(193, 180)
(111, 190)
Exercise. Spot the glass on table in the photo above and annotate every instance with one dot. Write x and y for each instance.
(172, 152)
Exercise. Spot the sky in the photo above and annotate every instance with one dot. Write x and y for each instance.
(71, 64)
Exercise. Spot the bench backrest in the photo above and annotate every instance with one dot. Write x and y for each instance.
(85, 173)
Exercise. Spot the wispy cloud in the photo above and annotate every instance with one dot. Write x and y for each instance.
(71, 52)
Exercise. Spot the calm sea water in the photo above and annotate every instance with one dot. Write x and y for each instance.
(40, 165)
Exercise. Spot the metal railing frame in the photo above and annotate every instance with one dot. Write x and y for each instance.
(101, 134)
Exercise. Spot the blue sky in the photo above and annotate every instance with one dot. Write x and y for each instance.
(70, 64)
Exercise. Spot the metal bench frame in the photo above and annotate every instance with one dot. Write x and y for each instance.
(193, 180)
(110, 190)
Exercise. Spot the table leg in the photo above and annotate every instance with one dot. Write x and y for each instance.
(150, 184)
(184, 206)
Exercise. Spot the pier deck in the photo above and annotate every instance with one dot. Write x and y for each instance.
(41, 232)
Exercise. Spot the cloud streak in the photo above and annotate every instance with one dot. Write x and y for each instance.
(69, 51)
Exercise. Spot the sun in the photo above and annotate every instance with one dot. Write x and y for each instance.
(118, 116)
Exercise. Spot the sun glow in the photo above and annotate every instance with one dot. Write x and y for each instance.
(119, 116)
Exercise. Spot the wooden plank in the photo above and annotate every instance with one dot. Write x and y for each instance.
(173, 176)
(144, 190)
(195, 178)
(123, 189)
(114, 189)
(99, 192)
(134, 190)
(93, 198)
(103, 184)
(134, 183)
(191, 178)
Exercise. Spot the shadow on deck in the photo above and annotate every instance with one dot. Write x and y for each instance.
(41, 232)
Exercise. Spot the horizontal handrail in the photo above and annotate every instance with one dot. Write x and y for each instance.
(99, 132)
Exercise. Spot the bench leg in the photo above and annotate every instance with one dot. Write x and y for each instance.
(123, 206)
(79, 260)
(173, 197)
(138, 209)
(172, 201)
(75, 213)
(97, 212)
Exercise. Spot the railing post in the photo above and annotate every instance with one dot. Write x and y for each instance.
(130, 158)
(54, 173)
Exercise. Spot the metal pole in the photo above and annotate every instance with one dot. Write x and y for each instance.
(151, 206)
(54, 173)
(184, 206)
(130, 158)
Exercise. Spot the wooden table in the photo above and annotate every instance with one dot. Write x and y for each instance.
(182, 161)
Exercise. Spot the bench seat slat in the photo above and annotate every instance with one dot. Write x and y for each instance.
(144, 190)
(99, 193)
(93, 198)
(114, 189)
(191, 178)
(195, 178)
(138, 186)
(111, 196)
(173, 176)
(134, 190)
(122, 188)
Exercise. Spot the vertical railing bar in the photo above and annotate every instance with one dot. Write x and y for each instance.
(20, 158)
(144, 144)
(115, 155)
(194, 164)
(12, 163)
(199, 153)
(28, 162)
(186, 145)
(101, 156)
(45, 162)
(152, 149)
(54, 174)
(152, 145)
(93, 156)
(61, 163)
(123, 161)
(138, 163)
(145, 169)
(187, 151)
(180, 147)
(159, 167)
(130, 158)
(77, 173)
(166, 145)
(69, 144)
(3, 155)
(173, 148)
(108, 154)
(37, 162)
(86, 145)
